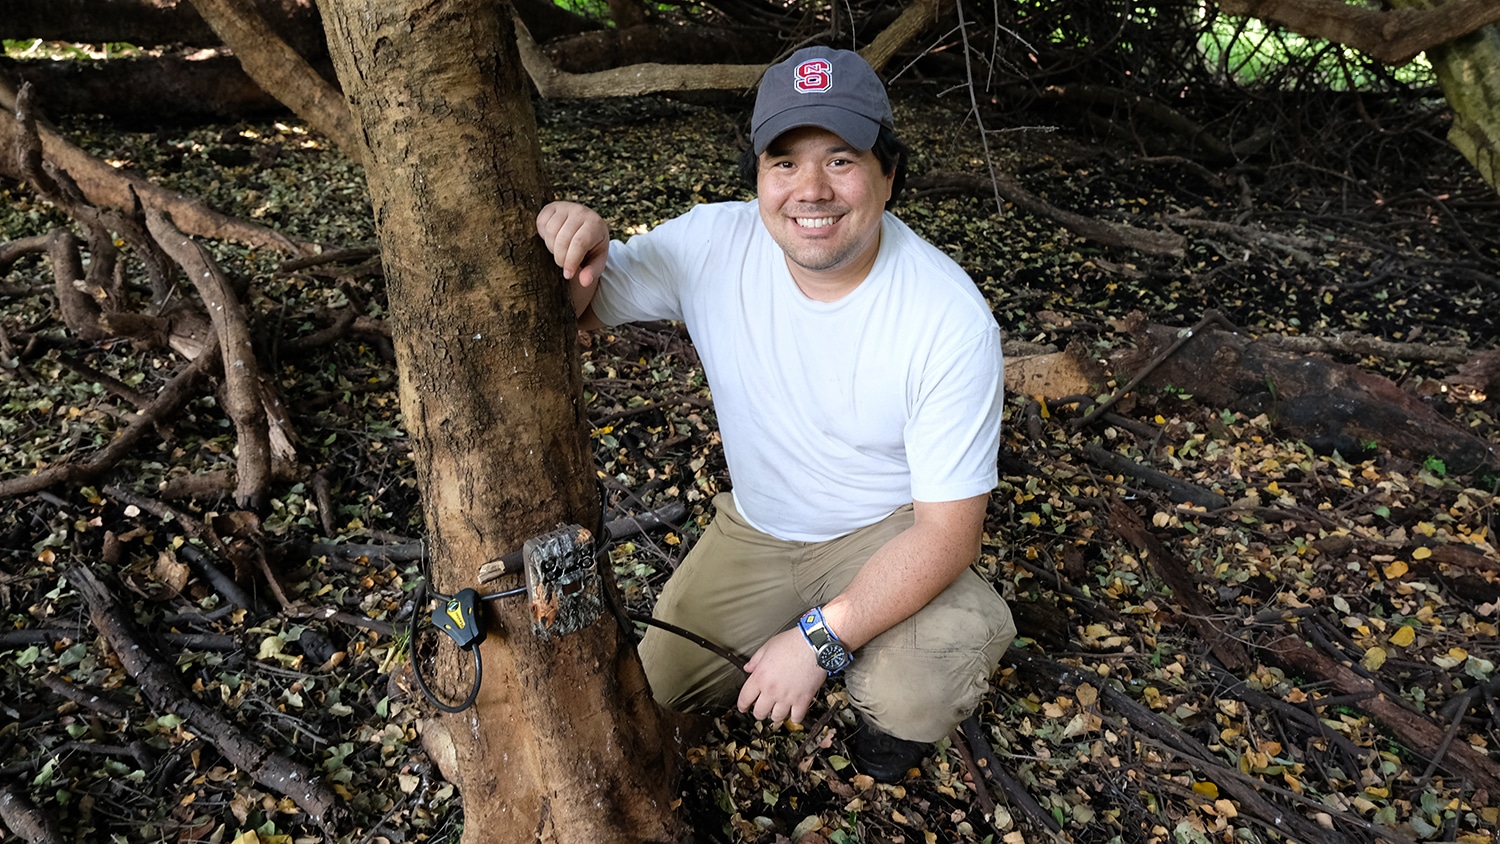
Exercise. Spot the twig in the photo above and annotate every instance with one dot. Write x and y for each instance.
(332, 256)
(1013, 790)
(984, 138)
(814, 731)
(981, 791)
(85, 699)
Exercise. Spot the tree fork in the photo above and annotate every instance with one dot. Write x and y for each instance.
(564, 743)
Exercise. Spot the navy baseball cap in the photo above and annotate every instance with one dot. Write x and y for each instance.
(832, 89)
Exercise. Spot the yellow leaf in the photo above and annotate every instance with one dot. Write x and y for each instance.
(1206, 789)
(1395, 570)
(1421, 553)
(1374, 658)
(1403, 636)
(1087, 695)
(1225, 809)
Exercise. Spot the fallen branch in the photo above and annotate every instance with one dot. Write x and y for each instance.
(1413, 729)
(23, 817)
(1100, 231)
(1126, 523)
(1210, 317)
(986, 760)
(1357, 343)
(242, 398)
(1330, 406)
(1178, 490)
(163, 686)
(1300, 248)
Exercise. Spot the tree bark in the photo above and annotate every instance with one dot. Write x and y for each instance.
(1468, 69)
(278, 69)
(1394, 37)
(564, 743)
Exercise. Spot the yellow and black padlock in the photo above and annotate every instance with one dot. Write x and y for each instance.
(459, 617)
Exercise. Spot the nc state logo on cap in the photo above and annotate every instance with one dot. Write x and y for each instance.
(813, 76)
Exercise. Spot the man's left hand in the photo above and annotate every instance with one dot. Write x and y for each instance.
(784, 676)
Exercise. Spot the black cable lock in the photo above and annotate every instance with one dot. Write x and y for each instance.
(460, 619)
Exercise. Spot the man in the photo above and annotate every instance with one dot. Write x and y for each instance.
(856, 374)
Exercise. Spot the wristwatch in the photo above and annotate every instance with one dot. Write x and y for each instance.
(833, 657)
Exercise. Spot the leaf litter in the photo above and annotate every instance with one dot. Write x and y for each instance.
(1114, 711)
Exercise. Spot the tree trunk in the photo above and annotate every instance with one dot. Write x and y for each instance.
(1468, 68)
(149, 89)
(1330, 406)
(149, 23)
(278, 69)
(564, 743)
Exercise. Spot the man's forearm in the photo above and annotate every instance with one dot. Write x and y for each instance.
(908, 571)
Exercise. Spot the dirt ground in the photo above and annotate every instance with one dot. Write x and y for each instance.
(1312, 658)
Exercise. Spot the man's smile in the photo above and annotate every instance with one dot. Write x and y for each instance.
(815, 222)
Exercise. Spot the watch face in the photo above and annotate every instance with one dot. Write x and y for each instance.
(833, 657)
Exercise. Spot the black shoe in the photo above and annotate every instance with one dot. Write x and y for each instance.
(884, 757)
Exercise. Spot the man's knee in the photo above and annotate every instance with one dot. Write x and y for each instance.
(918, 683)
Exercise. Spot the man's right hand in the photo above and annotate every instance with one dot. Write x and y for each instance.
(578, 239)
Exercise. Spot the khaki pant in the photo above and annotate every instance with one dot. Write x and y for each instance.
(739, 587)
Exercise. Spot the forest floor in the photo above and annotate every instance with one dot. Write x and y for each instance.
(1127, 710)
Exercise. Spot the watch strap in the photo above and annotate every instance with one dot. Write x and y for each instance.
(824, 642)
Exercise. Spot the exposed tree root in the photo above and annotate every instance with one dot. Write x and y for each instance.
(106, 187)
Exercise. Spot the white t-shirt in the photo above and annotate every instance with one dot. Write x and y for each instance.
(833, 414)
